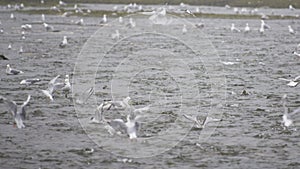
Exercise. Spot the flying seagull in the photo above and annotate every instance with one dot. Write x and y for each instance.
(130, 127)
(52, 86)
(199, 124)
(286, 117)
(18, 113)
(292, 82)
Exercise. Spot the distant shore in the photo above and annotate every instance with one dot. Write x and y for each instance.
(235, 3)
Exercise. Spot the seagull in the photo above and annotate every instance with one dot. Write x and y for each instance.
(18, 113)
(21, 50)
(116, 35)
(184, 30)
(104, 106)
(10, 71)
(286, 117)
(291, 7)
(48, 27)
(43, 18)
(26, 27)
(196, 120)
(120, 19)
(190, 13)
(291, 30)
(247, 28)
(261, 29)
(12, 16)
(297, 54)
(52, 86)
(80, 22)
(131, 23)
(234, 29)
(67, 86)
(9, 46)
(61, 3)
(263, 24)
(292, 82)
(29, 81)
(64, 42)
(104, 19)
(130, 127)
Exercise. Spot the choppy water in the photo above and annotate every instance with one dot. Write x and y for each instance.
(249, 136)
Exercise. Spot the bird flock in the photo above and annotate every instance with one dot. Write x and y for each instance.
(132, 125)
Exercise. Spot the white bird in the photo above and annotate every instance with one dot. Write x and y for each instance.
(286, 117)
(131, 23)
(52, 86)
(199, 124)
(10, 71)
(291, 7)
(80, 22)
(247, 28)
(43, 18)
(120, 19)
(261, 29)
(19, 114)
(291, 30)
(26, 27)
(104, 19)
(104, 106)
(62, 3)
(292, 82)
(21, 50)
(67, 86)
(116, 35)
(184, 30)
(9, 46)
(234, 29)
(12, 16)
(48, 27)
(264, 25)
(130, 128)
(21, 6)
(64, 42)
(297, 54)
(29, 81)
(42, 2)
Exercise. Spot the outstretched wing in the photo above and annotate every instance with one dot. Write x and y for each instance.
(52, 82)
(193, 119)
(12, 106)
(118, 125)
(23, 112)
(295, 111)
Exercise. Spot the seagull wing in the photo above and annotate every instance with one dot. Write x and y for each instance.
(284, 79)
(118, 125)
(296, 78)
(52, 82)
(193, 119)
(23, 112)
(295, 111)
(12, 106)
